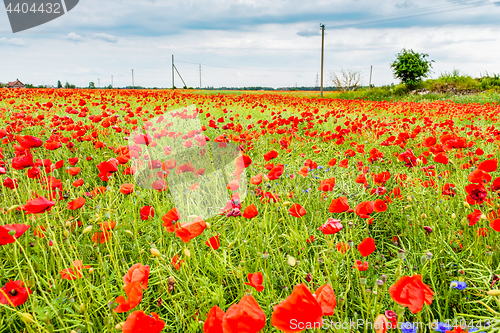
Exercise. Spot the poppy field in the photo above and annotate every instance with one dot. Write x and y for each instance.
(334, 215)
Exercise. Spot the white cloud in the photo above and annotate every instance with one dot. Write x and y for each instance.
(106, 37)
(12, 41)
(74, 37)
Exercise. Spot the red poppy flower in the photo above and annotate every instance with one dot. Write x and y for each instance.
(474, 217)
(213, 242)
(29, 142)
(379, 206)
(73, 160)
(326, 298)
(411, 292)
(364, 209)
(441, 158)
(342, 247)
(137, 273)
(311, 164)
(332, 162)
(127, 188)
(479, 176)
(489, 165)
(476, 194)
(13, 293)
(78, 183)
(257, 179)
(133, 290)
(297, 210)
(339, 205)
(107, 168)
(256, 280)
(176, 262)
(6, 230)
(361, 266)
(344, 163)
(108, 225)
(22, 162)
(77, 203)
(170, 218)
(190, 230)
(10, 183)
(298, 312)
(74, 272)
(139, 322)
(303, 172)
(327, 185)
(244, 317)
(101, 237)
(213, 323)
(270, 155)
(146, 212)
(495, 225)
(250, 212)
(37, 206)
(331, 227)
(366, 247)
(276, 172)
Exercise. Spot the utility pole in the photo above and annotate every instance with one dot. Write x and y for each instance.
(322, 52)
(111, 81)
(200, 76)
(173, 85)
(133, 86)
(370, 85)
(98, 83)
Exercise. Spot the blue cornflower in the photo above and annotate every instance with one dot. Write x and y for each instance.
(442, 327)
(320, 167)
(408, 327)
(460, 285)
(473, 329)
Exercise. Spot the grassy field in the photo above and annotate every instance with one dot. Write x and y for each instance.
(392, 205)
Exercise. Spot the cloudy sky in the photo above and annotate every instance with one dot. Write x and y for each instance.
(248, 42)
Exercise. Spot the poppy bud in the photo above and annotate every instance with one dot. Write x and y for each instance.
(87, 230)
(291, 261)
(423, 216)
(437, 209)
(483, 217)
(129, 232)
(350, 243)
(155, 252)
(12, 232)
(362, 280)
(494, 292)
(453, 216)
(91, 270)
(26, 317)
(265, 255)
(401, 254)
(186, 252)
(466, 204)
(66, 233)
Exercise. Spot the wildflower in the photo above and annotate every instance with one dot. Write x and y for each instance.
(13, 293)
(326, 298)
(411, 292)
(255, 281)
(460, 285)
(138, 321)
(331, 227)
(366, 247)
(301, 306)
(245, 316)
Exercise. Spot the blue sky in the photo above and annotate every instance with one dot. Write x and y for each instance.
(248, 42)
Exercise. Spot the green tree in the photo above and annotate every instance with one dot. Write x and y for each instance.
(410, 67)
(91, 85)
(59, 84)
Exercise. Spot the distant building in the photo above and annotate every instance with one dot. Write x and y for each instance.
(16, 84)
